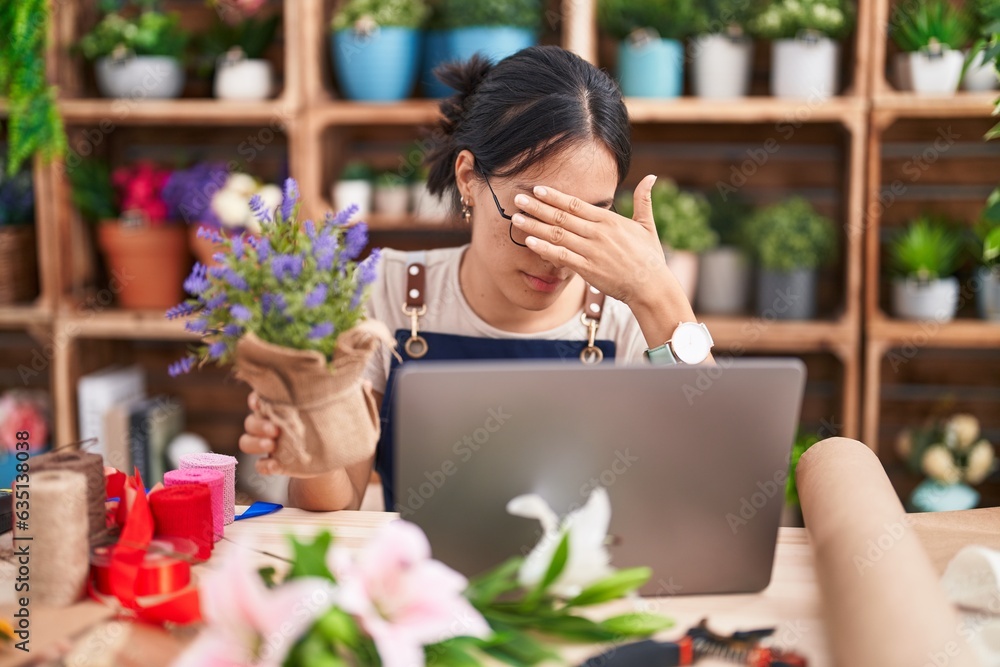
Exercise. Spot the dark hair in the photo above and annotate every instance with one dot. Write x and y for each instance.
(526, 107)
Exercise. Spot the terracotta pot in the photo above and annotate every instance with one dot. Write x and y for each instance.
(147, 265)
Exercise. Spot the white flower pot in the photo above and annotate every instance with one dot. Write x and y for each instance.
(140, 77)
(394, 200)
(981, 75)
(925, 300)
(723, 282)
(802, 68)
(721, 66)
(243, 79)
(428, 207)
(346, 193)
(901, 78)
(936, 74)
(684, 265)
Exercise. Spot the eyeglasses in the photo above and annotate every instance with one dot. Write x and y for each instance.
(503, 214)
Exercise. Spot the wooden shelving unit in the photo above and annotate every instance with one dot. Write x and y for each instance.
(835, 158)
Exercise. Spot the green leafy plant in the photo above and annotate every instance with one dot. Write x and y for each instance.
(475, 13)
(681, 217)
(787, 19)
(985, 245)
(728, 217)
(803, 441)
(35, 125)
(385, 13)
(91, 190)
(726, 16)
(251, 36)
(389, 179)
(146, 33)
(356, 171)
(791, 235)
(671, 19)
(930, 24)
(927, 249)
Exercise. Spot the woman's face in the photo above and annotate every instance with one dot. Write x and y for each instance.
(587, 171)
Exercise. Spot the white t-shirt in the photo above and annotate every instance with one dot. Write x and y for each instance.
(449, 313)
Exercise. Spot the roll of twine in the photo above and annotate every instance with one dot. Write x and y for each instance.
(224, 464)
(214, 480)
(55, 537)
(91, 466)
(184, 510)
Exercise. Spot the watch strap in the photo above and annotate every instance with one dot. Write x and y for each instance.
(662, 355)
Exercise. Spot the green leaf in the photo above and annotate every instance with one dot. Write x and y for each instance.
(557, 565)
(309, 559)
(636, 624)
(337, 626)
(458, 652)
(267, 574)
(488, 587)
(612, 587)
(574, 628)
(517, 648)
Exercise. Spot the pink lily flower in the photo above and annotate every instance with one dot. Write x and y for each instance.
(403, 598)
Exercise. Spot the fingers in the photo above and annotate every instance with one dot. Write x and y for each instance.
(553, 234)
(643, 200)
(260, 435)
(563, 212)
(253, 401)
(558, 254)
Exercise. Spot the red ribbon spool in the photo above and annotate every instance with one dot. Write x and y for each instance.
(165, 569)
(184, 511)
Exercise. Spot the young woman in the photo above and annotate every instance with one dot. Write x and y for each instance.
(532, 151)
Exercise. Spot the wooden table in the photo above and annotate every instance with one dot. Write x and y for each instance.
(791, 604)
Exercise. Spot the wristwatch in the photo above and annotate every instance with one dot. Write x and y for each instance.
(690, 344)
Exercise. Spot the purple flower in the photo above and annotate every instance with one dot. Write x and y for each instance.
(181, 310)
(343, 216)
(286, 266)
(321, 331)
(232, 330)
(216, 350)
(259, 209)
(198, 326)
(273, 302)
(367, 271)
(235, 280)
(237, 245)
(240, 312)
(355, 241)
(215, 302)
(196, 283)
(188, 193)
(182, 366)
(210, 234)
(310, 228)
(324, 259)
(263, 246)
(316, 297)
(290, 196)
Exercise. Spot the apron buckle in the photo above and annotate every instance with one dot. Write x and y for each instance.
(416, 345)
(590, 354)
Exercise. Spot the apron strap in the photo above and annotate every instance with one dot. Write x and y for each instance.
(593, 303)
(415, 304)
(593, 308)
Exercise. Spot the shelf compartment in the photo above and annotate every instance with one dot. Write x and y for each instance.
(959, 333)
(123, 324)
(910, 105)
(754, 109)
(24, 316)
(108, 113)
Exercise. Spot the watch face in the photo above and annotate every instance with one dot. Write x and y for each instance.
(691, 343)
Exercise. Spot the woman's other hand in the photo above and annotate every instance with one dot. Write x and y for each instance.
(260, 437)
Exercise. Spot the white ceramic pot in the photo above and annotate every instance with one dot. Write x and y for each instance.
(721, 66)
(393, 200)
(247, 80)
(805, 69)
(428, 207)
(684, 265)
(723, 282)
(936, 74)
(925, 300)
(358, 192)
(140, 77)
(901, 78)
(981, 75)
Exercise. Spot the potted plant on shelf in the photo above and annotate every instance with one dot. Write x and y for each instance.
(805, 53)
(354, 187)
(931, 34)
(144, 251)
(722, 53)
(392, 195)
(925, 256)
(234, 49)
(651, 49)
(376, 48)
(493, 29)
(953, 456)
(137, 53)
(790, 241)
(724, 275)
(18, 265)
(981, 72)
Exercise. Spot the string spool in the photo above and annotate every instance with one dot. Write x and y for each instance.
(55, 537)
(184, 510)
(91, 466)
(224, 464)
(214, 480)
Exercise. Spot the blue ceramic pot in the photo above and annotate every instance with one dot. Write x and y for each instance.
(436, 51)
(381, 67)
(652, 69)
(495, 42)
(933, 496)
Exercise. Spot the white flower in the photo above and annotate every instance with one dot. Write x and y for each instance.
(588, 560)
(965, 429)
(938, 464)
(271, 196)
(980, 462)
(232, 208)
(244, 184)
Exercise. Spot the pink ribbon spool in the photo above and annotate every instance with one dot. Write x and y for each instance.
(224, 464)
(214, 480)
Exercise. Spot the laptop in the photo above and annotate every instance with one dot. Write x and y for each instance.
(694, 460)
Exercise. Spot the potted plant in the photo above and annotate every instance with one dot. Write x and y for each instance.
(18, 266)
(724, 275)
(354, 187)
(137, 53)
(651, 50)
(436, 52)
(981, 72)
(790, 241)
(925, 257)
(931, 34)
(234, 49)
(953, 456)
(493, 29)
(143, 250)
(376, 48)
(682, 225)
(392, 194)
(722, 53)
(214, 202)
(805, 53)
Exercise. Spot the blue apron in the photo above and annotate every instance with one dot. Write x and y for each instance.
(442, 347)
